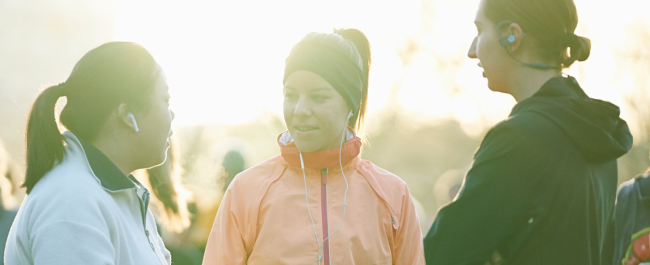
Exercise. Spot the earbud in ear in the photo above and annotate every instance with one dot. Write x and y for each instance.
(135, 124)
(507, 40)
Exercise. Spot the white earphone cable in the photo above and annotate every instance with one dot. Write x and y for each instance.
(345, 205)
(304, 176)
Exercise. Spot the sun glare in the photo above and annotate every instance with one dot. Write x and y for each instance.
(225, 59)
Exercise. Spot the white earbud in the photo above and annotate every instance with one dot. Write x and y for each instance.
(350, 115)
(135, 124)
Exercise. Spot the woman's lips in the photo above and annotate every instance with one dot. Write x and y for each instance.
(479, 65)
(304, 131)
(305, 128)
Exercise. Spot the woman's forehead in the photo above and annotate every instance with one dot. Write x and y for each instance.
(480, 13)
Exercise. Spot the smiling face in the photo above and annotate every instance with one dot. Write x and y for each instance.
(492, 57)
(314, 112)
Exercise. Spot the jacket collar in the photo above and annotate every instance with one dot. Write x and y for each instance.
(319, 159)
(557, 87)
(108, 174)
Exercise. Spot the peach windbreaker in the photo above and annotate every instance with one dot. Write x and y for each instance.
(263, 217)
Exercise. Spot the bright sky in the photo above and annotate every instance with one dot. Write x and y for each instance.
(224, 59)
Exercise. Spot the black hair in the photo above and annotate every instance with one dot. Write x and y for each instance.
(551, 22)
(105, 77)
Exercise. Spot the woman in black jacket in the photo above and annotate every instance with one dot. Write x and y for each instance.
(542, 186)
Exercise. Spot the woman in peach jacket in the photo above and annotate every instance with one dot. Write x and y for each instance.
(319, 202)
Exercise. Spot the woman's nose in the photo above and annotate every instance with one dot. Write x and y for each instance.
(301, 108)
(472, 49)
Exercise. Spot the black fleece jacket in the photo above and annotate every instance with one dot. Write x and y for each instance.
(542, 187)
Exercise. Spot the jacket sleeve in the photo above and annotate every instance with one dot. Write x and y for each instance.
(70, 242)
(407, 249)
(492, 201)
(226, 244)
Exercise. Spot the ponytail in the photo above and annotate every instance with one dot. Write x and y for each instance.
(363, 47)
(44, 142)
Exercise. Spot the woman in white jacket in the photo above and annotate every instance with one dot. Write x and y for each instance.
(83, 204)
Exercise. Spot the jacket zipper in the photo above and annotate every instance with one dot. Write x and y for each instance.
(323, 206)
(144, 196)
(144, 203)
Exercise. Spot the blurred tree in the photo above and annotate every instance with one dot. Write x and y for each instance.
(41, 41)
(633, 68)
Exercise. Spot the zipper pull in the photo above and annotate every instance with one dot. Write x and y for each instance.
(323, 176)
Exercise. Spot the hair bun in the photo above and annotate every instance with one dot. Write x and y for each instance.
(56, 90)
(584, 49)
(580, 49)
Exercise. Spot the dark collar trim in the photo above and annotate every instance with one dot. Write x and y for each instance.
(642, 186)
(105, 170)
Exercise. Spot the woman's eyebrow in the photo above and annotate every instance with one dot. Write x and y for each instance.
(320, 88)
(315, 89)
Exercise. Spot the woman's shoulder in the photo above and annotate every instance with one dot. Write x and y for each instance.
(389, 187)
(526, 128)
(260, 173)
(67, 177)
(66, 187)
(383, 177)
(629, 190)
(67, 194)
(525, 122)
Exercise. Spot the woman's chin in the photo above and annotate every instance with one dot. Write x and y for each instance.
(157, 160)
(494, 87)
(306, 146)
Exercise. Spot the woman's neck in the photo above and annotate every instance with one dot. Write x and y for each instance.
(528, 81)
(112, 149)
(339, 140)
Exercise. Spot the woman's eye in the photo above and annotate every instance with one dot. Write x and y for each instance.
(318, 98)
(290, 96)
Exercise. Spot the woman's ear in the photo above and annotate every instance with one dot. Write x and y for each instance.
(127, 118)
(515, 30)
